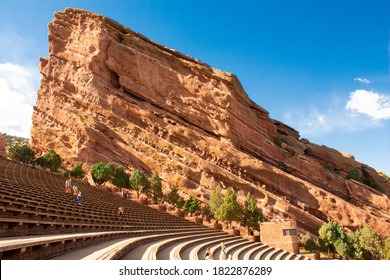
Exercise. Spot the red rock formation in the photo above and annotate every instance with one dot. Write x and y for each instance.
(110, 94)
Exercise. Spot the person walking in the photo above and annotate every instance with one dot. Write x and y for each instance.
(222, 256)
(207, 254)
(121, 211)
(79, 198)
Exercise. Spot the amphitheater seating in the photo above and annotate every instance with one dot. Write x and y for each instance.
(39, 220)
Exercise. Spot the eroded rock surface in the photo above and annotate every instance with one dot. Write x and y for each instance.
(110, 94)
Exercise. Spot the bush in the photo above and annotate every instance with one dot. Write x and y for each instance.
(372, 183)
(354, 175)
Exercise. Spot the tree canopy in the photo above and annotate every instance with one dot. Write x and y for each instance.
(156, 187)
(366, 244)
(192, 205)
(251, 214)
(121, 178)
(102, 172)
(50, 160)
(229, 210)
(139, 182)
(334, 238)
(216, 200)
(77, 171)
(21, 153)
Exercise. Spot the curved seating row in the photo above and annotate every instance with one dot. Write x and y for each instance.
(39, 220)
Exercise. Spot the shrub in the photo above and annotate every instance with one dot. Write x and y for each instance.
(354, 175)
(372, 183)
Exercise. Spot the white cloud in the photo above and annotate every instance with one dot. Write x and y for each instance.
(337, 114)
(362, 80)
(370, 103)
(18, 91)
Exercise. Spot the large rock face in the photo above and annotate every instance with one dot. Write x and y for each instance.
(110, 94)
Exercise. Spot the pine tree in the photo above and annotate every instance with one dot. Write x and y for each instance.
(216, 200)
(139, 182)
(229, 210)
(156, 187)
(251, 214)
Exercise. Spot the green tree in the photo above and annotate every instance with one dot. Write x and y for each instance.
(139, 182)
(334, 238)
(308, 243)
(21, 153)
(102, 172)
(216, 200)
(77, 171)
(156, 187)
(50, 160)
(207, 212)
(251, 214)
(173, 196)
(180, 202)
(121, 178)
(192, 205)
(366, 244)
(229, 210)
(386, 249)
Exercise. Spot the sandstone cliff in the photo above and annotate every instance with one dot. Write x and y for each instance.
(110, 94)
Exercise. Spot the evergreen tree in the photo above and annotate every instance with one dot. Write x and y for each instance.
(386, 249)
(229, 210)
(308, 243)
(251, 214)
(180, 202)
(366, 244)
(77, 171)
(156, 187)
(121, 178)
(102, 172)
(216, 200)
(207, 212)
(192, 205)
(21, 153)
(173, 196)
(139, 182)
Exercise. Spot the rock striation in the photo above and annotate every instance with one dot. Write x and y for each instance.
(110, 94)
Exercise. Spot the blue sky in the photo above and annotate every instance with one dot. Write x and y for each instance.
(321, 67)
